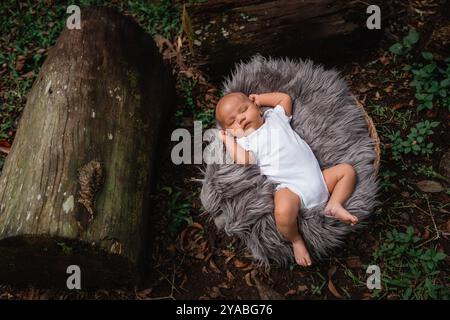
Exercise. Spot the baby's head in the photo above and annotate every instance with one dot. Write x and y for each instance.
(237, 114)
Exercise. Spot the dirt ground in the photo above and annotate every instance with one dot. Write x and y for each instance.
(198, 262)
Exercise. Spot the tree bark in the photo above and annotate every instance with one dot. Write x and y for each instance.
(75, 187)
(439, 40)
(224, 31)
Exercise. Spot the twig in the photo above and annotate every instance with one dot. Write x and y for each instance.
(172, 283)
(437, 236)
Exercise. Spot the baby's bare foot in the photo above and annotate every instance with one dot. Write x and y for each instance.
(301, 253)
(338, 211)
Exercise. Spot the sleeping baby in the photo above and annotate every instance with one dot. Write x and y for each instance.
(268, 140)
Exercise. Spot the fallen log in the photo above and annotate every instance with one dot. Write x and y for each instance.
(225, 31)
(75, 187)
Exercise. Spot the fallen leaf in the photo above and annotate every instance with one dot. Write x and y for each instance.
(389, 88)
(143, 294)
(248, 280)
(302, 288)
(384, 60)
(28, 75)
(430, 186)
(19, 65)
(215, 293)
(405, 194)
(333, 290)
(228, 253)
(240, 264)
(377, 96)
(200, 256)
(290, 292)
(224, 285)
(354, 262)
(213, 266)
(367, 296)
(362, 89)
(426, 234)
(196, 225)
(331, 271)
(230, 276)
(228, 259)
(331, 286)
(5, 147)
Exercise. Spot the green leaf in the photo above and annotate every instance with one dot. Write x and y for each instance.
(407, 294)
(439, 256)
(407, 67)
(412, 37)
(427, 55)
(396, 48)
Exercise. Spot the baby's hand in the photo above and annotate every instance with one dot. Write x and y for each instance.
(255, 98)
(223, 135)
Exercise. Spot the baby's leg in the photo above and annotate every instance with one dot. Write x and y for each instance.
(286, 211)
(340, 181)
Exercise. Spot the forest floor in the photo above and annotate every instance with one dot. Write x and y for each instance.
(190, 259)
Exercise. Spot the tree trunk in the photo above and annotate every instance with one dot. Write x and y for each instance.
(75, 187)
(439, 41)
(224, 31)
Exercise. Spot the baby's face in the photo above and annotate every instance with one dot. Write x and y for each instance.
(238, 114)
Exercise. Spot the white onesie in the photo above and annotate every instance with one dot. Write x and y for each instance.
(285, 158)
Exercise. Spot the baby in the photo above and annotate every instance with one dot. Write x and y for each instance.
(287, 161)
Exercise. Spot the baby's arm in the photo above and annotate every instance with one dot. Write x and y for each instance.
(237, 153)
(272, 99)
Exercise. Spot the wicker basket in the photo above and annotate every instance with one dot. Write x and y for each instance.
(373, 134)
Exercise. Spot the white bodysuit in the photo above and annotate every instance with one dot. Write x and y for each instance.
(285, 158)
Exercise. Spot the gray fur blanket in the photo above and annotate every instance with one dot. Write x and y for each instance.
(240, 199)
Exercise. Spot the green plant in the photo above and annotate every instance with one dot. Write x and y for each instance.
(388, 115)
(386, 181)
(199, 113)
(416, 141)
(429, 172)
(406, 44)
(206, 116)
(318, 289)
(161, 17)
(66, 249)
(178, 210)
(407, 270)
(431, 83)
(231, 247)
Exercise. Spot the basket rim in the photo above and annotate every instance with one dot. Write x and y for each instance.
(373, 134)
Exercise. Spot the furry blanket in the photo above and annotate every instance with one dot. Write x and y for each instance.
(240, 199)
